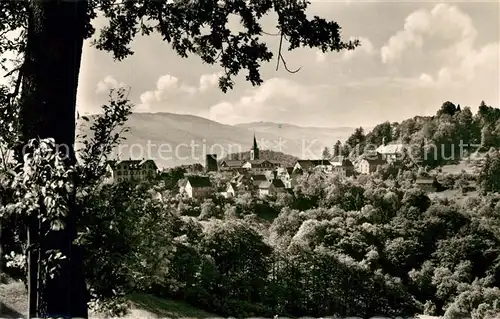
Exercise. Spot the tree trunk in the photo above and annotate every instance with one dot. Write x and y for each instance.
(48, 102)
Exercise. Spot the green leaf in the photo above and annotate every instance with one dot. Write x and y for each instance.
(57, 225)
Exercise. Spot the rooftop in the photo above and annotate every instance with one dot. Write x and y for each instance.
(199, 181)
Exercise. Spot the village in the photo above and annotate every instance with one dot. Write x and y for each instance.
(264, 177)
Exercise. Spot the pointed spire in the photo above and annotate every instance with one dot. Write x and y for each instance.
(254, 142)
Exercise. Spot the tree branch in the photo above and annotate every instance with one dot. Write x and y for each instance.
(279, 51)
(14, 94)
(280, 57)
(286, 68)
(271, 34)
(12, 71)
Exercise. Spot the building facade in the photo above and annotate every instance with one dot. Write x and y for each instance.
(368, 164)
(342, 166)
(260, 166)
(133, 170)
(391, 152)
(271, 188)
(197, 187)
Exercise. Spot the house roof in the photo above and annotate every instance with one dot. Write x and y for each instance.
(135, 164)
(311, 163)
(390, 149)
(341, 161)
(304, 163)
(278, 183)
(199, 181)
(259, 182)
(259, 177)
(284, 170)
(270, 174)
(321, 162)
(257, 163)
(232, 163)
(267, 184)
(425, 181)
(372, 159)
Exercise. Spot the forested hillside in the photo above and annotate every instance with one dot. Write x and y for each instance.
(443, 138)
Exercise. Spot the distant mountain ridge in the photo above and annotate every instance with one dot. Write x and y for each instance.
(288, 125)
(177, 139)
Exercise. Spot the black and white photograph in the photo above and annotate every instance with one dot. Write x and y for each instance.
(250, 159)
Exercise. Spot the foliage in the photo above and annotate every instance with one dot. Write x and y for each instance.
(489, 176)
(326, 154)
(336, 248)
(445, 138)
(380, 134)
(356, 142)
(44, 185)
(234, 52)
(128, 239)
(42, 191)
(182, 24)
(107, 133)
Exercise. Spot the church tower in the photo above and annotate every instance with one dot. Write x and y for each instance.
(254, 152)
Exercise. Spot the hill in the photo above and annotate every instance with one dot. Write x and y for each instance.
(176, 139)
(290, 132)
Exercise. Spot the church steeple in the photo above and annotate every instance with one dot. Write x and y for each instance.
(254, 152)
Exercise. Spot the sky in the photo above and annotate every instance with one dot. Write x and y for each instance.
(413, 57)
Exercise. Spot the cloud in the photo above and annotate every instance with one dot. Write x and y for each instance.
(208, 81)
(366, 48)
(277, 97)
(426, 78)
(108, 83)
(320, 56)
(170, 88)
(449, 38)
(444, 21)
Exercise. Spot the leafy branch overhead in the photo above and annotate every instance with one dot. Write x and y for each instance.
(201, 28)
(192, 28)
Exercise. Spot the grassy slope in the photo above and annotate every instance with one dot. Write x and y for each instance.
(13, 304)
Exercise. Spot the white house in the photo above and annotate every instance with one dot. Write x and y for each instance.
(312, 165)
(196, 187)
(230, 165)
(285, 174)
(271, 188)
(342, 166)
(132, 170)
(260, 166)
(368, 163)
(391, 152)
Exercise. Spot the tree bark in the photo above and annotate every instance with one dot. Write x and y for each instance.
(48, 102)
